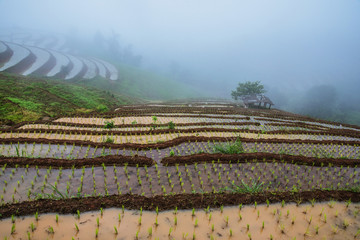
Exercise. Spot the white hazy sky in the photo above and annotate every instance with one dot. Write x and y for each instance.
(292, 43)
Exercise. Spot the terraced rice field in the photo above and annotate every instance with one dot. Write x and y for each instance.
(16, 57)
(182, 170)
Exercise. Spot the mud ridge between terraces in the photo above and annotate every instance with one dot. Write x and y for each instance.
(142, 161)
(257, 157)
(332, 132)
(168, 202)
(173, 142)
(82, 125)
(109, 160)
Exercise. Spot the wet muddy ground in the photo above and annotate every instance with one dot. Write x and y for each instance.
(20, 184)
(326, 220)
(71, 152)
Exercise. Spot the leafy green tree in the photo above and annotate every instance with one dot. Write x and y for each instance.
(248, 88)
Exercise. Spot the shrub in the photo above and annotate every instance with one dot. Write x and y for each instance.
(229, 148)
(109, 140)
(102, 108)
(172, 153)
(171, 125)
(109, 125)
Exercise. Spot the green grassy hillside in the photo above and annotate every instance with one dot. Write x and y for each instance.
(145, 85)
(30, 98)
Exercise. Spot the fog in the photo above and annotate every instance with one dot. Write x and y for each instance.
(295, 48)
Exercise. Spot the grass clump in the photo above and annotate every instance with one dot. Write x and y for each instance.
(229, 148)
(171, 125)
(109, 124)
(109, 140)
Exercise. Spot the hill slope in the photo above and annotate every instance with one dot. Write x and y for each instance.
(31, 98)
(145, 85)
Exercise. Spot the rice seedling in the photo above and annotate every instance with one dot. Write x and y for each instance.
(13, 229)
(51, 230)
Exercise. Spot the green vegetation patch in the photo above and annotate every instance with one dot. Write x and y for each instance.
(29, 98)
(29, 105)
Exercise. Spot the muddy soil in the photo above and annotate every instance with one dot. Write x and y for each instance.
(20, 184)
(281, 222)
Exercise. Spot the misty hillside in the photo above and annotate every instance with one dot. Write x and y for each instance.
(146, 85)
(43, 97)
(32, 98)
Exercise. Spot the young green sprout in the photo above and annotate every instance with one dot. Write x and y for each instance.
(77, 227)
(357, 233)
(317, 229)
(282, 228)
(32, 227)
(334, 229)
(307, 232)
(150, 231)
(51, 230)
(348, 202)
(13, 229)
